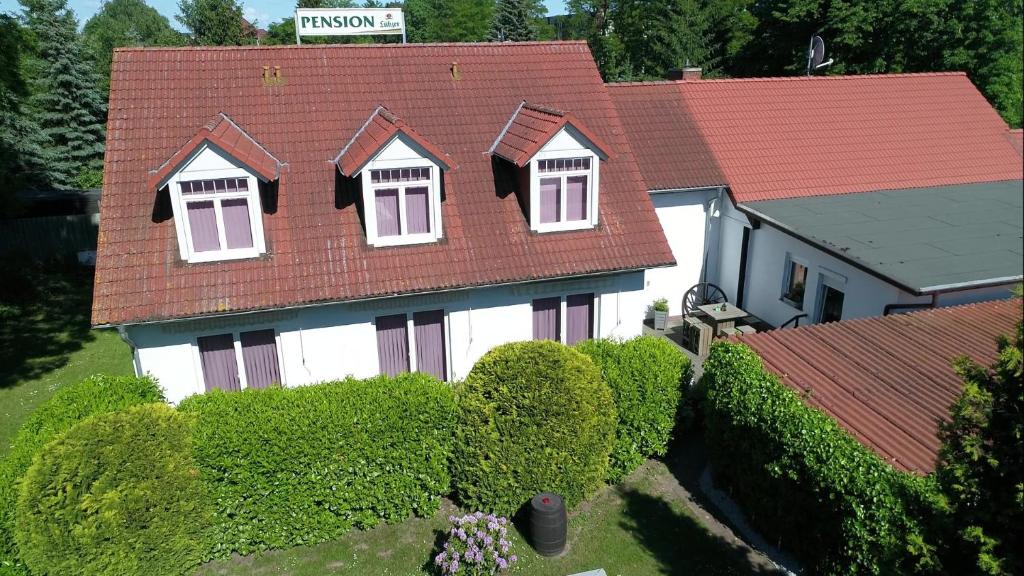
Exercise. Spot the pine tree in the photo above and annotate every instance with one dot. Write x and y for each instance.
(513, 22)
(65, 103)
(213, 22)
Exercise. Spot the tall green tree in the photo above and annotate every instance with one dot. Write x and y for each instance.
(981, 465)
(515, 20)
(125, 23)
(213, 22)
(19, 152)
(448, 20)
(65, 103)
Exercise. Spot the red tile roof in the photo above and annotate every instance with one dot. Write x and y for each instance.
(378, 130)
(222, 132)
(532, 126)
(669, 148)
(317, 248)
(792, 137)
(1017, 139)
(889, 381)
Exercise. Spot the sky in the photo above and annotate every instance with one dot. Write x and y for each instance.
(262, 11)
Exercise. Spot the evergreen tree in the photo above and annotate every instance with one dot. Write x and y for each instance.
(19, 154)
(125, 23)
(512, 22)
(448, 20)
(213, 22)
(981, 465)
(65, 103)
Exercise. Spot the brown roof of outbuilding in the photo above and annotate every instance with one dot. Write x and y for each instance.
(378, 131)
(889, 381)
(669, 148)
(317, 251)
(794, 137)
(222, 132)
(532, 126)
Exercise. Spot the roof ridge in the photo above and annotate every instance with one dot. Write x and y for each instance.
(408, 46)
(834, 77)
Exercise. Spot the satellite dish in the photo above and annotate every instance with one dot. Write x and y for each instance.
(816, 55)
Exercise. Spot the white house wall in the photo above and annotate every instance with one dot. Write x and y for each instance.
(730, 244)
(683, 217)
(333, 341)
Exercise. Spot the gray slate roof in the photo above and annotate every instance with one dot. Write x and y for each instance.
(921, 239)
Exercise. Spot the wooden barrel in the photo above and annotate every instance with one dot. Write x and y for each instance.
(548, 524)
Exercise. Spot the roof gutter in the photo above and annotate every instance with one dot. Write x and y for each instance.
(120, 326)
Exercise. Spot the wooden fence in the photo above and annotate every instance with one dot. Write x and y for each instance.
(48, 237)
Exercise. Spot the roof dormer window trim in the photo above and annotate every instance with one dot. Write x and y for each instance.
(409, 182)
(217, 205)
(575, 168)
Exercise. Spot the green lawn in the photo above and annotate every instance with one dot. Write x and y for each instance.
(639, 528)
(45, 340)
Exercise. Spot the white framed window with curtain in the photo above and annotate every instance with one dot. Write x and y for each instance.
(237, 360)
(217, 210)
(402, 201)
(416, 342)
(563, 189)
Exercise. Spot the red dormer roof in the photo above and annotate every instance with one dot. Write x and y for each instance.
(223, 133)
(381, 128)
(532, 126)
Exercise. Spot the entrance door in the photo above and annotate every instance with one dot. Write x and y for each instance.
(831, 307)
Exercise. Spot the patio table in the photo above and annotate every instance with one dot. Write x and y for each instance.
(722, 319)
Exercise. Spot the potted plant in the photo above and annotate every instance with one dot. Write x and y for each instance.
(660, 308)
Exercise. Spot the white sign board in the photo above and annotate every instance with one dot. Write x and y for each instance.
(348, 21)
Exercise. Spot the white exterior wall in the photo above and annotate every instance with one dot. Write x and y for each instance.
(683, 217)
(333, 341)
(731, 223)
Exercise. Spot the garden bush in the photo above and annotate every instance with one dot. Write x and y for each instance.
(290, 466)
(67, 407)
(117, 494)
(647, 376)
(788, 464)
(533, 417)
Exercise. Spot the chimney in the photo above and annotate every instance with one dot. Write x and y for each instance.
(687, 73)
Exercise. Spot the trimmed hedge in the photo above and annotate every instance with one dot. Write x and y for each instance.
(117, 494)
(789, 464)
(290, 466)
(68, 406)
(533, 417)
(647, 376)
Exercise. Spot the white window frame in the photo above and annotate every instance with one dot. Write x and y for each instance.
(236, 338)
(410, 337)
(401, 152)
(179, 208)
(787, 272)
(832, 280)
(593, 185)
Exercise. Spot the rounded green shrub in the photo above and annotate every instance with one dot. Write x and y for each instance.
(68, 406)
(534, 417)
(117, 494)
(647, 376)
(292, 466)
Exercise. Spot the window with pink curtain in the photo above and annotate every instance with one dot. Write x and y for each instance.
(220, 368)
(428, 327)
(392, 344)
(237, 229)
(579, 318)
(388, 223)
(202, 222)
(259, 356)
(547, 319)
(417, 210)
(550, 200)
(576, 198)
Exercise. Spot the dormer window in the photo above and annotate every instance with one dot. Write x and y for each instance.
(222, 216)
(564, 190)
(213, 184)
(400, 174)
(559, 162)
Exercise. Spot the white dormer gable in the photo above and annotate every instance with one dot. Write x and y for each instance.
(564, 178)
(401, 193)
(216, 206)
